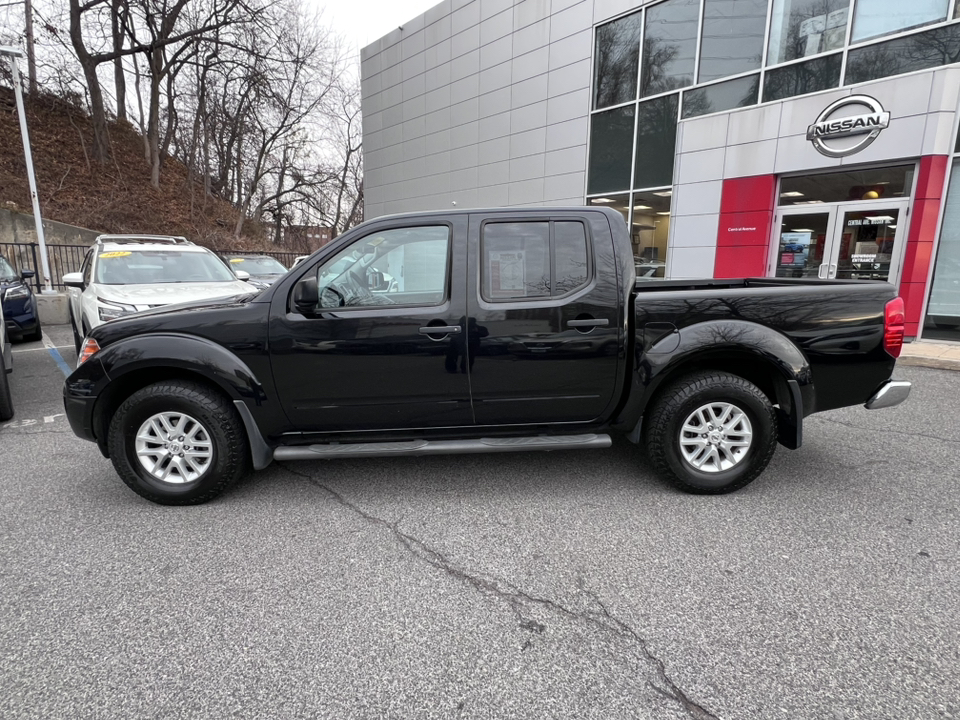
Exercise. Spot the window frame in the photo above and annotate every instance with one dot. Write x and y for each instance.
(552, 298)
(314, 269)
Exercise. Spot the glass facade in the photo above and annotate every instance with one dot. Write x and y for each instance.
(732, 37)
(669, 46)
(801, 28)
(678, 59)
(617, 55)
(811, 76)
(656, 141)
(940, 46)
(884, 17)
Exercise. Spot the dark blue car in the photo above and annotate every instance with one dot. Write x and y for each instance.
(19, 304)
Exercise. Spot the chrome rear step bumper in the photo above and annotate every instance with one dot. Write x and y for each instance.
(442, 447)
(892, 393)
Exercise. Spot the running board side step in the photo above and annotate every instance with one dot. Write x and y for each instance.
(441, 447)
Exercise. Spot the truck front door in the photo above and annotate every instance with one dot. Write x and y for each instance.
(545, 319)
(381, 348)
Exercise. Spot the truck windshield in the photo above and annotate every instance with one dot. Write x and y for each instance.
(258, 265)
(7, 273)
(146, 267)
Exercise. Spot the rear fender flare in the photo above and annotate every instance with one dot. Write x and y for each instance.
(725, 341)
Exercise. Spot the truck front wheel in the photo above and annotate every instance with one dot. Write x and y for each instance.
(711, 433)
(178, 443)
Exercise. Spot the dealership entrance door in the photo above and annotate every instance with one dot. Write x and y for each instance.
(849, 225)
(849, 241)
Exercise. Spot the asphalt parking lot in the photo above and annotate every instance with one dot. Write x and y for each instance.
(565, 585)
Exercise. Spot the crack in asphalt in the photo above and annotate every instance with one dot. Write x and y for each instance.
(891, 432)
(519, 600)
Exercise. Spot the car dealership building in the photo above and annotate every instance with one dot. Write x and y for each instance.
(792, 138)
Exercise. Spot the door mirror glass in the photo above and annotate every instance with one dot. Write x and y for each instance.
(74, 280)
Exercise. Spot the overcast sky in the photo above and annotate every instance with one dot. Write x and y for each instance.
(363, 21)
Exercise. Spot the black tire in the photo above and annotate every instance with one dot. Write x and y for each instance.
(679, 401)
(6, 402)
(77, 337)
(219, 420)
(35, 334)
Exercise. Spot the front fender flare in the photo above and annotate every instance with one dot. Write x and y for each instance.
(187, 352)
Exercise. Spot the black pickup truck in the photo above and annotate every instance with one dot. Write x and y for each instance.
(481, 331)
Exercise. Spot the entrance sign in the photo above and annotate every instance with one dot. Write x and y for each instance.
(841, 120)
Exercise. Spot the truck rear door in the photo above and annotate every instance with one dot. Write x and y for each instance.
(544, 318)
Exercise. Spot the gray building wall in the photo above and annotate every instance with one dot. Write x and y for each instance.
(480, 103)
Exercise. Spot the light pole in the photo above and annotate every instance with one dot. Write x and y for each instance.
(13, 53)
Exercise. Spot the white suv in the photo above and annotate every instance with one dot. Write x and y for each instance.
(124, 274)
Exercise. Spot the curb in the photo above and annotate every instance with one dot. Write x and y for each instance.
(929, 362)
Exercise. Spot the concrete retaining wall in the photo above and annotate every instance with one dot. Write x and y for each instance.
(20, 228)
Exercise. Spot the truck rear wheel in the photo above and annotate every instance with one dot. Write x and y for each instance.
(178, 443)
(711, 433)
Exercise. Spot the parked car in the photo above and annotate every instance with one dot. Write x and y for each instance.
(263, 269)
(6, 367)
(19, 303)
(121, 275)
(709, 376)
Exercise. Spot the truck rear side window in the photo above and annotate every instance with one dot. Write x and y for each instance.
(533, 260)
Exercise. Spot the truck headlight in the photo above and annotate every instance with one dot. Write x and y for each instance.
(112, 311)
(19, 291)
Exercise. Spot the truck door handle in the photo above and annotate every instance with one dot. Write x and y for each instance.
(440, 330)
(592, 322)
(820, 271)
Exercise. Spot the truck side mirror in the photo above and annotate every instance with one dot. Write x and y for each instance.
(306, 296)
(375, 280)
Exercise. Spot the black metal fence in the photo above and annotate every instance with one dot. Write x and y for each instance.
(68, 258)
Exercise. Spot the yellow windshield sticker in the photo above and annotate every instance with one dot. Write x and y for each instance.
(237, 259)
(115, 254)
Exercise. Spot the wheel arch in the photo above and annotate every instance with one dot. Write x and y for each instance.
(759, 354)
(160, 358)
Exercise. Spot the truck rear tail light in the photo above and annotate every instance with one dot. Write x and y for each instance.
(893, 318)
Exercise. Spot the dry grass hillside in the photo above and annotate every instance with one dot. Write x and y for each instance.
(116, 197)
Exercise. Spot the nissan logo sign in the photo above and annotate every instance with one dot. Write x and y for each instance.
(828, 129)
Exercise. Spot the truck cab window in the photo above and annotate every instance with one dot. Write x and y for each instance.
(401, 266)
(533, 260)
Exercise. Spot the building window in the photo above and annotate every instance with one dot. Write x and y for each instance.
(611, 136)
(801, 28)
(669, 46)
(728, 95)
(732, 37)
(876, 18)
(920, 51)
(656, 141)
(529, 260)
(617, 54)
(943, 309)
(870, 184)
(649, 230)
(801, 78)
(620, 203)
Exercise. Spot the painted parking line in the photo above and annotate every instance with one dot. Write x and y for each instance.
(44, 348)
(55, 354)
